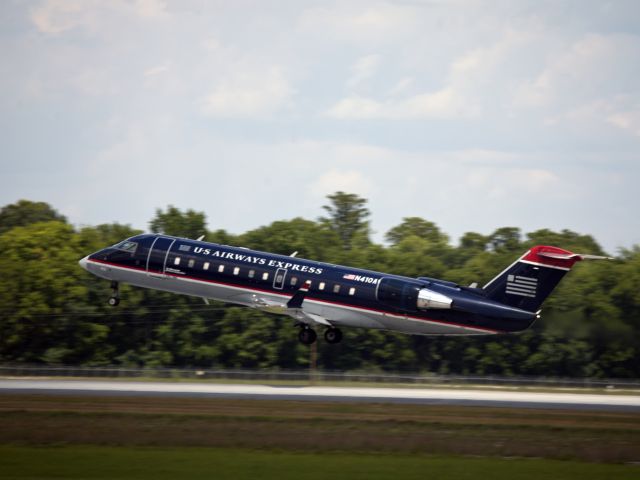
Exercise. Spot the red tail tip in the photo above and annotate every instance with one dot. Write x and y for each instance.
(552, 256)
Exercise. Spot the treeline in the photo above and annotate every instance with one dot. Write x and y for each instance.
(52, 311)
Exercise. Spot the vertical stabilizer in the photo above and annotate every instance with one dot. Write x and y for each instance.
(530, 280)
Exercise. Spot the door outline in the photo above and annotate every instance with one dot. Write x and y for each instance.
(166, 256)
(279, 285)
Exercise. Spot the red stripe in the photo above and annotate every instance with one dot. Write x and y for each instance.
(271, 292)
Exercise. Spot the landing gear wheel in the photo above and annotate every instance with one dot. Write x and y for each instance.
(307, 335)
(114, 300)
(333, 335)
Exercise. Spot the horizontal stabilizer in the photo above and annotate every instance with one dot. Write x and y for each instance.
(594, 257)
(571, 256)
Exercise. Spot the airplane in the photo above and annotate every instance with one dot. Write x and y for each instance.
(317, 294)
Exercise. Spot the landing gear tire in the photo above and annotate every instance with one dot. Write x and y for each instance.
(307, 336)
(333, 335)
(114, 300)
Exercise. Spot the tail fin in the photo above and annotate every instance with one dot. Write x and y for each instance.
(527, 282)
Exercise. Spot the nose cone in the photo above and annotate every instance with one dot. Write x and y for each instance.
(83, 262)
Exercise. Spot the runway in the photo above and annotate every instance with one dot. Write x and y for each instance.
(427, 396)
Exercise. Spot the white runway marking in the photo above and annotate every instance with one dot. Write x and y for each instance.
(433, 396)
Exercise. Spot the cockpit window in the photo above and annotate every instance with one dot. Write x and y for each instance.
(126, 246)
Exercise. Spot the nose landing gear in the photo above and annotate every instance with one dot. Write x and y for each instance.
(114, 300)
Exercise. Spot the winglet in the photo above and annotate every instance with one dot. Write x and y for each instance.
(298, 297)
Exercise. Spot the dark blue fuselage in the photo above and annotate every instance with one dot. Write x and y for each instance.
(336, 294)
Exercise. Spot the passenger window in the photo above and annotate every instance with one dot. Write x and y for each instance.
(265, 276)
(251, 273)
(205, 266)
(279, 278)
(192, 262)
(336, 288)
(221, 268)
(176, 261)
(321, 286)
(352, 291)
(294, 281)
(236, 270)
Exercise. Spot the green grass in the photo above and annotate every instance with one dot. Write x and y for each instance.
(89, 462)
(312, 427)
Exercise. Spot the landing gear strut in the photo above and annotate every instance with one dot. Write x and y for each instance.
(332, 335)
(307, 335)
(114, 300)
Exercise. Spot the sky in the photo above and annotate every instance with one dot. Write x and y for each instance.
(475, 115)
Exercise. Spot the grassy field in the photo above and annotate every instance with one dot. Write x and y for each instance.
(90, 462)
(93, 437)
(35, 420)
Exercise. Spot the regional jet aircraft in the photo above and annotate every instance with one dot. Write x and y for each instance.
(328, 296)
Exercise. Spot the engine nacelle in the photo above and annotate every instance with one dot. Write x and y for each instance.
(428, 299)
(410, 296)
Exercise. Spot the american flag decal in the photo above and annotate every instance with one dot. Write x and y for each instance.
(523, 286)
(349, 277)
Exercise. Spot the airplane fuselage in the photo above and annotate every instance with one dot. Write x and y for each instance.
(332, 295)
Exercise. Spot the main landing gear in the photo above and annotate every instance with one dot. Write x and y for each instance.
(308, 336)
(114, 300)
(333, 335)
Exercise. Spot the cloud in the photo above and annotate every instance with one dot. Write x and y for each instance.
(483, 114)
(57, 16)
(249, 94)
(587, 69)
(462, 91)
(360, 22)
(511, 183)
(157, 70)
(627, 120)
(444, 103)
(357, 107)
(363, 69)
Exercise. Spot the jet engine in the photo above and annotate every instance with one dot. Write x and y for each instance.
(428, 299)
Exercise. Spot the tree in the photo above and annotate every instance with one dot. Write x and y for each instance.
(190, 224)
(53, 311)
(42, 296)
(26, 212)
(348, 217)
(505, 239)
(419, 227)
(565, 239)
(474, 242)
(309, 239)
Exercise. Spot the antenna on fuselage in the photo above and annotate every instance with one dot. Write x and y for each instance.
(294, 254)
(200, 238)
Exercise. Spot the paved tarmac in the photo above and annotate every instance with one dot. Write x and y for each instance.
(427, 396)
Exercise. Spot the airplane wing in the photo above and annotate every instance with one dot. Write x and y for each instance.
(292, 308)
